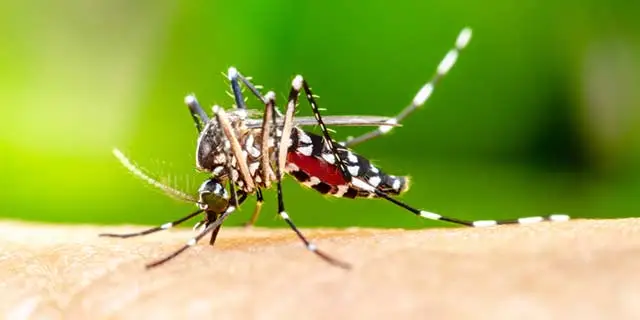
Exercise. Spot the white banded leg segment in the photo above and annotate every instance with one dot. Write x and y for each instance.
(434, 216)
(445, 65)
(193, 241)
(559, 217)
(430, 215)
(485, 223)
(310, 245)
(165, 226)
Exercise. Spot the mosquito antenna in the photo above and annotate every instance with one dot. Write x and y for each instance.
(138, 173)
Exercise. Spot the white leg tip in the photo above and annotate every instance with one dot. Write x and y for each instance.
(386, 128)
(297, 82)
(190, 99)
(166, 226)
(232, 73)
(270, 96)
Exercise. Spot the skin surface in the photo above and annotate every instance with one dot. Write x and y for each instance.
(585, 269)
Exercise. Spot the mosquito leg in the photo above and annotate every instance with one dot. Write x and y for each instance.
(211, 218)
(423, 95)
(477, 223)
(281, 209)
(236, 150)
(256, 211)
(193, 241)
(200, 118)
(210, 227)
(165, 226)
(234, 75)
(358, 182)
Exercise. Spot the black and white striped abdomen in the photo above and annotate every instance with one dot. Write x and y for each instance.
(313, 164)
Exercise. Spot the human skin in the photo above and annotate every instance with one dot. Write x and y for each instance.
(585, 269)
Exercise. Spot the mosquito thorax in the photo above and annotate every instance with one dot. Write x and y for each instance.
(211, 146)
(213, 196)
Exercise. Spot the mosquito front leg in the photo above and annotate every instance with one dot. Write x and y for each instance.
(193, 241)
(165, 226)
(236, 149)
(422, 96)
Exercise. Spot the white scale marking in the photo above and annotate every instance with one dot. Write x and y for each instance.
(166, 226)
(396, 184)
(303, 137)
(353, 170)
(386, 128)
(485, 223)
(375, 181)
(430, 215)
(329, 157)
(423, 94)
(559, 217)
(357, 182)
(253, 167)
(530, 220)
(306, 151)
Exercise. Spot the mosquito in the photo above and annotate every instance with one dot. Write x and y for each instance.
(249, 154)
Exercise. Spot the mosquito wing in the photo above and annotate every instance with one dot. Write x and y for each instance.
(355, 121)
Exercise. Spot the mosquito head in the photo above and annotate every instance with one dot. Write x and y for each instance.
(213, 196)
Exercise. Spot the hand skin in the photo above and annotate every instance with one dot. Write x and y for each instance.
(588, 269)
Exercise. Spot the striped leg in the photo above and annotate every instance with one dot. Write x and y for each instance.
(165, 226)
(281, 209)
(361, 184)
(193, 241)
(422, 96)
(200, 118)
(233, 76)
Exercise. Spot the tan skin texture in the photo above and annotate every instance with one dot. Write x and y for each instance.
(578, 269)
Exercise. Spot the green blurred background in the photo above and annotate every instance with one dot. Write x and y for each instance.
(540, 115)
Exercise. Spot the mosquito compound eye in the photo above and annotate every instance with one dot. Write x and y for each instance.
(213, 196)
(213, 202)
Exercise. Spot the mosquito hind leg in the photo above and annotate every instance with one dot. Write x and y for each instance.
(423, 94)
(280, 146)
(361, 184)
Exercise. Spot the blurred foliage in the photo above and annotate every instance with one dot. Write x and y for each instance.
(540, 114)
